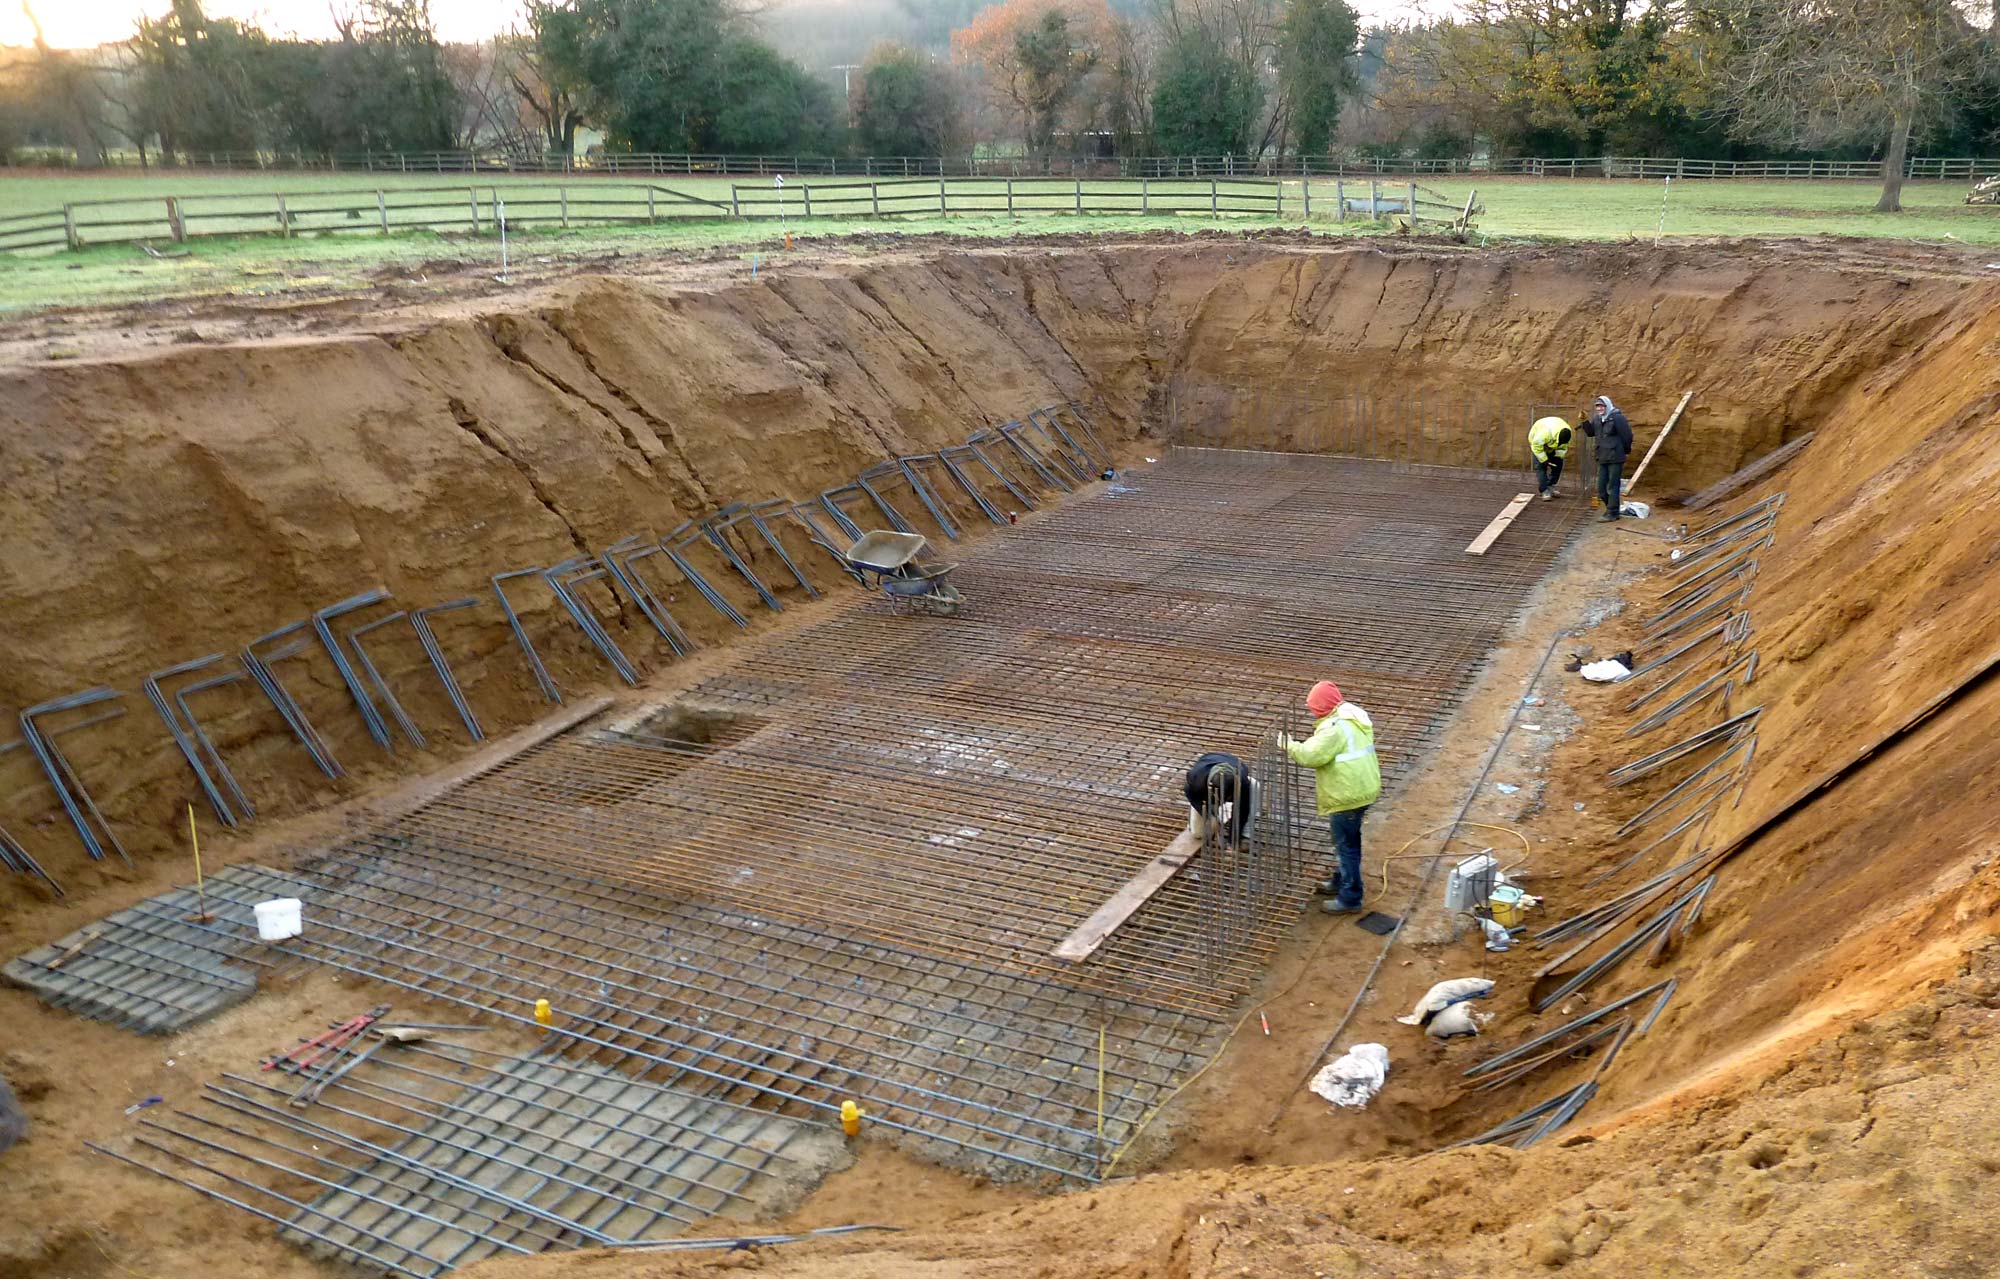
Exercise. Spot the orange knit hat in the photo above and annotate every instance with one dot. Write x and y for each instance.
(1324, 696)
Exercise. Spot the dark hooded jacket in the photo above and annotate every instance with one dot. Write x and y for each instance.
(1613, 434)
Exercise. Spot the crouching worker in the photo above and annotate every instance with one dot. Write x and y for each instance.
(1347, 779)
(1548, 442)
(1219, 788)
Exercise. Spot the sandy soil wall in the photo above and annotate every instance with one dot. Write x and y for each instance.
(166, 507)
(1875, 602)
(179, 505)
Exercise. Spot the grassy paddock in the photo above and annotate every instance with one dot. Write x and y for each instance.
(1582, 209)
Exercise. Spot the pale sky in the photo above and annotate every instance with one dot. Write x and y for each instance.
(77, 24)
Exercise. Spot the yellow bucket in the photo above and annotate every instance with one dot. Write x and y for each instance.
(1506, 907)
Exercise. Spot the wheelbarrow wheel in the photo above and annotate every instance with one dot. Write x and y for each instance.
(945, 601)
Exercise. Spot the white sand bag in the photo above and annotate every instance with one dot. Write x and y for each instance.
(1452, 1022)
(1444, 995)
(1353, 1079)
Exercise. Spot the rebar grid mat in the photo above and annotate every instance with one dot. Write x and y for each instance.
(415, 1158)
(1464, 428)
(1028, 749)
(851, 887)
(982, 1069)
(159, 966)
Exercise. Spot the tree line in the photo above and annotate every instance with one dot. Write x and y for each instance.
(1253, 78)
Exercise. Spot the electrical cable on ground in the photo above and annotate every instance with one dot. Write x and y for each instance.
(1423, 885)
(1387, 942)
(1401, 854)
(98, 1244)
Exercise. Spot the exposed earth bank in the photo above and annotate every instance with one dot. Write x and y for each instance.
(177, 500)
(1815, 1096)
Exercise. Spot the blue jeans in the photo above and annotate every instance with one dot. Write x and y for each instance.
(1611, 486)
(1346, 828)
(1548, 474)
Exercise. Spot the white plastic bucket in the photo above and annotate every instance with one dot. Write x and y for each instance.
(279, 918)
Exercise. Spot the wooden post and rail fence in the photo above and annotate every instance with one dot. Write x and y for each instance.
(482, 209)
(666, 164)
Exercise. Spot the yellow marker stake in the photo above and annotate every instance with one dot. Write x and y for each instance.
(850, 1118)
(543, 1015)
(200, 890)
(1100, 1094)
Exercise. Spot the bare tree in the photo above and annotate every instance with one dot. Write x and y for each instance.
(492, 112)
(66, 89)
(1826, 72)
(536, 79)
(1248, 33)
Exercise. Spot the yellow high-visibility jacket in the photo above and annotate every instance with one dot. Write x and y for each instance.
(1545, 439)
(1341, 753)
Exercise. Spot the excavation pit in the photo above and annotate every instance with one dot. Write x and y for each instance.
(838, 868)
(1039, 766)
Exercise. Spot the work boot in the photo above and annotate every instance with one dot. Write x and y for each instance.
(1335, 908)
(1607, 518)
(1327, 887)
(1548, 496)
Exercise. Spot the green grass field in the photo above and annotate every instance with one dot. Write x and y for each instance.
(338, 248)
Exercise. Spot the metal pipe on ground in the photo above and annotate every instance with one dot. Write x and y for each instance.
(183, 740)
(259, 667)
(409, 728)
(321, 624)
(207, 744)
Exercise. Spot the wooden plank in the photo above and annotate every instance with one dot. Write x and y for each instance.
(1750, 474)
(1492, 533)
(1083, 943)
(1658, 440)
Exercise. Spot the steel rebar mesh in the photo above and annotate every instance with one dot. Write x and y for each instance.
(1463, 429)
(854, 892)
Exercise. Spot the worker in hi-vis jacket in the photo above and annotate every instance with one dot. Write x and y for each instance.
(1548, 441)
(1347, 779)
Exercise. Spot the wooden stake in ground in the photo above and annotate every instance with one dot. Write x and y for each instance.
(1491, 534)
(200, 890)
(1658, 440)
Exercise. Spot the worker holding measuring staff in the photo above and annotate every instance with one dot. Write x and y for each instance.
(1548, 440)
(1347, 779)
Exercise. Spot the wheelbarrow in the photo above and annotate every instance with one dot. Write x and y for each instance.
(909, 572)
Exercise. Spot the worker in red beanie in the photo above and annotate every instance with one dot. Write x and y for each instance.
(1347, 779)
